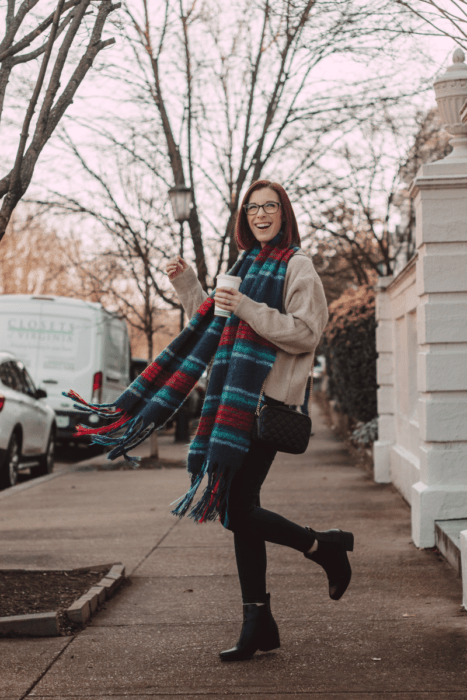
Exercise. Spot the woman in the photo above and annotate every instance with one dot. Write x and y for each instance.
(266, 224)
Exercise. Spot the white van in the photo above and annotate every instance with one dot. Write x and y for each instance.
(67, 344)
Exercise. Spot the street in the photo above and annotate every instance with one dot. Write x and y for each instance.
(399, 632)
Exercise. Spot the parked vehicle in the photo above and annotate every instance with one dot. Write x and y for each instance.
(27, 424)
(68, 344)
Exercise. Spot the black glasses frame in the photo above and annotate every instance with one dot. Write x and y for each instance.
(260, 206)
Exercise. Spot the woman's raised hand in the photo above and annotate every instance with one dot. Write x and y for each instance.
(175, 267)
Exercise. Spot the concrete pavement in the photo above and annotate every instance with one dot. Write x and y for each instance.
(398, 633)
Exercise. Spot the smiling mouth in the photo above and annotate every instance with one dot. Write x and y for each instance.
(263, 227)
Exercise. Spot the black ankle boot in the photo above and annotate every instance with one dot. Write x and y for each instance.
(259, 631)
(331, 554)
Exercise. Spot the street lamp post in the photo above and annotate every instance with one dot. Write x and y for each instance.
(181, 201)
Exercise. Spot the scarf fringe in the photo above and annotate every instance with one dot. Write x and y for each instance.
(105, 435)
(212, 504)
(125, 419)
(100, 409)
(186, 500)
(104, 410)
(131, 439)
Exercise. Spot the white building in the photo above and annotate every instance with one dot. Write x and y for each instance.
(422, 344)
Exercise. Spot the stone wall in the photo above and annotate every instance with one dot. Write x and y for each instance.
(397, 452)
(422, 343)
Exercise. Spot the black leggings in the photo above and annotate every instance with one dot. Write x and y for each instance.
(253, 526)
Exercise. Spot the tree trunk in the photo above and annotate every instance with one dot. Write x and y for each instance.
(233, 250)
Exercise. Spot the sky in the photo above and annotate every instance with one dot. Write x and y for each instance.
(97, 96)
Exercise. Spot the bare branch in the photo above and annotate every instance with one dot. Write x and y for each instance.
(40, 29)
(15, 183)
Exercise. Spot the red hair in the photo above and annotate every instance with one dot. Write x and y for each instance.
(243, 234)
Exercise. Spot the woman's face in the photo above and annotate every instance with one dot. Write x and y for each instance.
(264, 226)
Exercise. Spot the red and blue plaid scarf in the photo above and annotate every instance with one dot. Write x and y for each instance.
(242, 361)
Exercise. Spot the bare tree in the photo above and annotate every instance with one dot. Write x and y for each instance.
(114, 276)
(32, 259)
(240, 98)
(363, 221)
(356, 235)
(45, 41)
(440, 18)
(357, 205)
(336, 265)
(430, 143)
(132, 239)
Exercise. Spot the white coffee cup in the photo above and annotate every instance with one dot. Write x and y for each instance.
(232, 283)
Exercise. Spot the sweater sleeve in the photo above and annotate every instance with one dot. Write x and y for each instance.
(298, 329)
(189, 291)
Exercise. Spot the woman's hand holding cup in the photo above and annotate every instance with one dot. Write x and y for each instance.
(175, 267)
(227, 298)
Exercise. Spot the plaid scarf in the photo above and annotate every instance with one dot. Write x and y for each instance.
(242, 361)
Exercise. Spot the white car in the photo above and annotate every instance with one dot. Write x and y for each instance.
(27, 424)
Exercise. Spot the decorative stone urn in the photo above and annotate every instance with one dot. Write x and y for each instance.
(451, 96)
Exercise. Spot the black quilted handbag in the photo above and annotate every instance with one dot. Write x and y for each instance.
(281, 427)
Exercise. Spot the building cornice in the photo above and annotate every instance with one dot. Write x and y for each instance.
(403, 274)
(437, 182)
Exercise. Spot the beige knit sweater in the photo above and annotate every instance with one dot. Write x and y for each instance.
(295, 332)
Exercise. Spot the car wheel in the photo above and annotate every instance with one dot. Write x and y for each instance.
(9, 472)
(46, 461)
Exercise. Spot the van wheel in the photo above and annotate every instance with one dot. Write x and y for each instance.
(9, 471)
(46, 461)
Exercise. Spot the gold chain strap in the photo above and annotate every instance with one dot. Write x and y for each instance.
(260, 397)
(262, 392)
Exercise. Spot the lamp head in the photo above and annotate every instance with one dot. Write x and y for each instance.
(181, 201)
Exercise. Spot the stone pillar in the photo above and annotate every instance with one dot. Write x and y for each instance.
(385, 377)
(440, 192)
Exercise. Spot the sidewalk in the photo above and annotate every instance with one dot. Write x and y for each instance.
(398, 633)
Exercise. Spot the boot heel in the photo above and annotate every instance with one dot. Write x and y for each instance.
(270, 646)
(272, 641)
(348, 541)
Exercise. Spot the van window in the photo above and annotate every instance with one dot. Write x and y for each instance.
(117, 351)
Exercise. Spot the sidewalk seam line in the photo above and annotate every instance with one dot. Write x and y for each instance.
(154, 548)
(261, 693)
(46, 670)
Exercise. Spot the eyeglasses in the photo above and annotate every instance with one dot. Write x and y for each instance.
(268, 208)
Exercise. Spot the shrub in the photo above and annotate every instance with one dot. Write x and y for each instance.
(366, 434)
(350, 349)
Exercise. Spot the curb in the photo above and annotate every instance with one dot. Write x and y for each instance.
(46, 624)
(36, 625)
(36, 481)
(87, 604)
